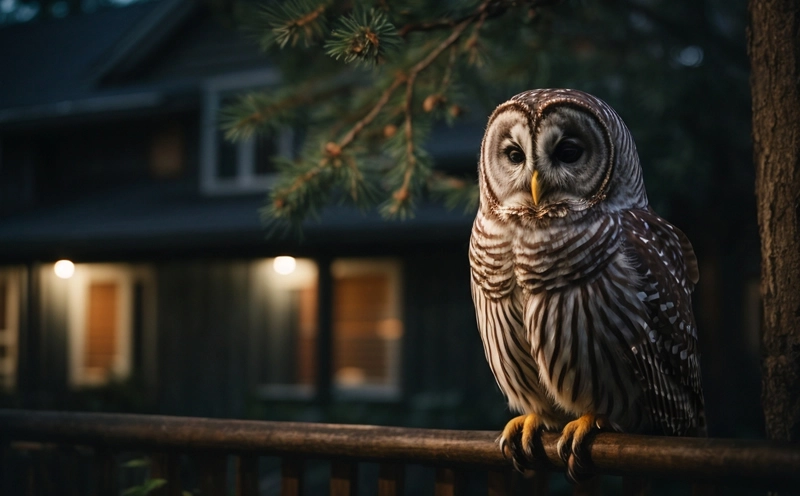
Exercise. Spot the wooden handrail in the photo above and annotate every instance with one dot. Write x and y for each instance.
(757, 462)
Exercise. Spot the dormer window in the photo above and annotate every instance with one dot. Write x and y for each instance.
(245, 166)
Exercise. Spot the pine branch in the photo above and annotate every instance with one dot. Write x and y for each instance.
(402, 195)
(351, 135)
(333, 150)
(292, 21)
(364, 37)
(348, 164)
(269, 110)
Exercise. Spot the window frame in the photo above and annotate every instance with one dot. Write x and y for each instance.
(245, 180)
(126, 277)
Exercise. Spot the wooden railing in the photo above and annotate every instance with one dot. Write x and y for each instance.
(229, 455)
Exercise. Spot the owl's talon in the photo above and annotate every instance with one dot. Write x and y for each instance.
(572, 444)
(576, 471)
(516, 441)
(505, 448)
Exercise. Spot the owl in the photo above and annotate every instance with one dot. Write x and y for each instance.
(582, 292)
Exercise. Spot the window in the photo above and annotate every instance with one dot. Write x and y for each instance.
(102, 330)
(9, 327)
(245, 166)
(107, 311)
(287, 355)
(367, 327)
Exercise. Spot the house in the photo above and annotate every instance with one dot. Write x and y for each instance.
(132, 252)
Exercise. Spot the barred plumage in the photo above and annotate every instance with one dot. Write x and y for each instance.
(582, 293)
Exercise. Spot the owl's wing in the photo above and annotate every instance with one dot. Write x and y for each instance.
(667, 356)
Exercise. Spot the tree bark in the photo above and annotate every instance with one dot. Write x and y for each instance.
(774, 49)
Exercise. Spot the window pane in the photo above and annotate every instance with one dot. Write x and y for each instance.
(6, 364)
(3, 304)
(228, 157)
(266, 149)
(101, 329)
(288, 357)
(367, 327)
(9, 328)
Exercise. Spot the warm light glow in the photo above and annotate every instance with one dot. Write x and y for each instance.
(64, 269)
(284, 265)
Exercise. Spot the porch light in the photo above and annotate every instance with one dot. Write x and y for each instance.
(64, 269)
(284, 265)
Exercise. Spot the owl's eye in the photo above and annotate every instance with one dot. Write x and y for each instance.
(515, 155)
(568, 152)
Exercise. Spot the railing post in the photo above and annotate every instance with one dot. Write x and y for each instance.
(344, 478)
(448, 482)
(391, 479)
(291, 476)
(246, 475)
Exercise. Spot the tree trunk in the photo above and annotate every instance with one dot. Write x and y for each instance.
(774, 48)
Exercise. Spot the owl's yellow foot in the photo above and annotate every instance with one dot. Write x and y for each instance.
(516, 441)
(571, 446)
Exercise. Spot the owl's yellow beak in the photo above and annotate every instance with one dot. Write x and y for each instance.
(535, 187)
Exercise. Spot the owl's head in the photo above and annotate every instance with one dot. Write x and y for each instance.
(551, 151)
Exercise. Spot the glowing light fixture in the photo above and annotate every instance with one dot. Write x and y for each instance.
(64, 269)
(284, 265)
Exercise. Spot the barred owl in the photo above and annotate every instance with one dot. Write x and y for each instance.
(582, 293)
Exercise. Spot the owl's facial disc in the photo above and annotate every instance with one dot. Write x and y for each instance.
(568, 151)
(507, 158)
(571, 157)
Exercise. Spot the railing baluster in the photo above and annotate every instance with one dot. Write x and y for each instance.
(590, 487)
(246, 475)
(635, 486)
(448, 482)
(499, 483)
(105, 471)
(5, 460)
(391, 479)
(166, 466)
(703, 489)
(67, 472)
(344, 478)
(291, 476)
(537, 485)
(213, 470)
(31, 484)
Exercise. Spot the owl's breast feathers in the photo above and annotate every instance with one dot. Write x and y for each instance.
(606, 305)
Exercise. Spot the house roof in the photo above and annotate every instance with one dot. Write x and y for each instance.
(171, 220)
(52, 60)
(118, 59)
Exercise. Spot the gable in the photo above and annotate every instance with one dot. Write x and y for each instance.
(116, 60)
